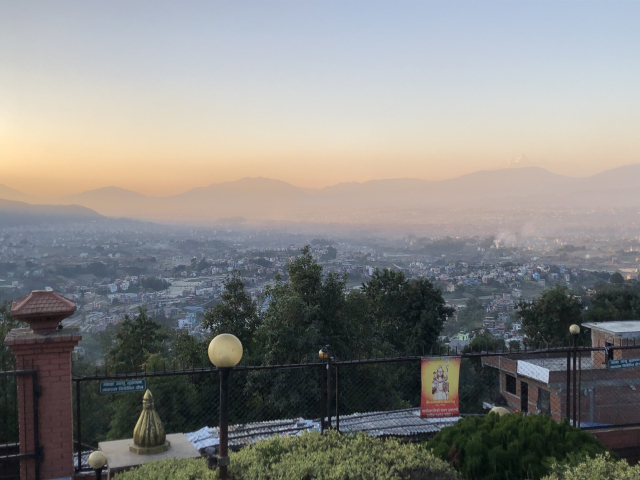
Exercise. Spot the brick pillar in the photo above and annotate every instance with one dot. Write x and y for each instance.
(46, 349)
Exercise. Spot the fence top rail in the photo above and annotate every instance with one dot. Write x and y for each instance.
(11, 373)
(189, 371)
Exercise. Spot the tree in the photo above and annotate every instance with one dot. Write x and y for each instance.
(547, 319)
(331, 254)
(154, 283)
(469, 318)
(7, 323)
(236, 313)
(602, 467)
(617, 278)
(134, 340)
(511, 446)
(175, 398)
(188, 351)
(614, 304)
(407, 314)
(309, 311)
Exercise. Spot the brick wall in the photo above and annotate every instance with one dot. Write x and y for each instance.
(50, 355)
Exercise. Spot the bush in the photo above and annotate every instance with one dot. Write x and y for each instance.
(313, 456)
(511, 447)
(598, 468)
(174, 469)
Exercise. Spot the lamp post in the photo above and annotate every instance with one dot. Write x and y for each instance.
(225, 351)
(97, 461)
(325, 354)
(575, 331)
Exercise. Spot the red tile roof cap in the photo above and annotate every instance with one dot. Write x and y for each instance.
(43, 303)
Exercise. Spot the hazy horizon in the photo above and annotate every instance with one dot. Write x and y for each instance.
(320, 187)
(156, 96)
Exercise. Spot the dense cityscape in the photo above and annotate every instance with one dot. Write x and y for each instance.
(178, 274)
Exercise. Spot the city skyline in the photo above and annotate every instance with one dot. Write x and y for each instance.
(160, 98)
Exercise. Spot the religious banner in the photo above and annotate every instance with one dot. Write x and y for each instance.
(440, 379)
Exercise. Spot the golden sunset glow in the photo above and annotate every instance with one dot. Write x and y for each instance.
(160, 98)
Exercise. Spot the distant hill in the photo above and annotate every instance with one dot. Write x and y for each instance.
(266, 199)
(112, 201)
(20, 213)
(7, 193)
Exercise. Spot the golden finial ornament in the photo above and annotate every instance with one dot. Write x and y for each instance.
(148, 435)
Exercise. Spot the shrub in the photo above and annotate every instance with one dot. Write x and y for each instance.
(602, 467)
(173, 469)
(313, 456)
(511, 447)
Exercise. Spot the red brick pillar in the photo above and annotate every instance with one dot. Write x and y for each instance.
(46, 349)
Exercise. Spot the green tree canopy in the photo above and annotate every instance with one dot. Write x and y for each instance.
(7, 323)
(617, 278)
(308, 311)
(134, 340)
(236, 313)
(614, 304)
(547, 318)
(407, 314)
(511, 446)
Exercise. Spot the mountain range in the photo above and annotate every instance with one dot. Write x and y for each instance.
(263, 199)
(14, 213)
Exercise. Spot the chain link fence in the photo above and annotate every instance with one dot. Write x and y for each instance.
(379, 396)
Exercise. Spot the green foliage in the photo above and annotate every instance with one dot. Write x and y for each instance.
(479, 383)
(511, 447)
(485, 342)
(331, 254)
(175, 401)
(236, 313)
(8, 399)
(469, 318)
(614, 304)
(154, 283)
(389, 315)
(408, 314)
(135, 339)
(617, 278)
(314, 456)
(547, 319)
(602, 467)
(309, 311)
(173, 469)
(7, 323)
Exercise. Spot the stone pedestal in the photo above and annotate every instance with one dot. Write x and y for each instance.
(120, 458)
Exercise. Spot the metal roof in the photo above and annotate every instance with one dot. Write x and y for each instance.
(405, 422)
(624, 329)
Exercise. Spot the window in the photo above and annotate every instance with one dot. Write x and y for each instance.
(544, 401)
(511, 384)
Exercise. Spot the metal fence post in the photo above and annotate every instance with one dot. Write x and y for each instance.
(337, 401)
(78, 425)
(569, 385)
(223, 453)
(329, 391)
(575, 380)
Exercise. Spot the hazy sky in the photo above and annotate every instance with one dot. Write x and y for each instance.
(164, 96)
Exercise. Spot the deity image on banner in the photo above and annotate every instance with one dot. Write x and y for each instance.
(440, 380)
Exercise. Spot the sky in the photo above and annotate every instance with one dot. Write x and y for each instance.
(161, 97)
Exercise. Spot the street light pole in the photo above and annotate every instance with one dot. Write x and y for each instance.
(575, 331)
(97, 461)
(325, 354)
(225, 351)
(223, 449)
